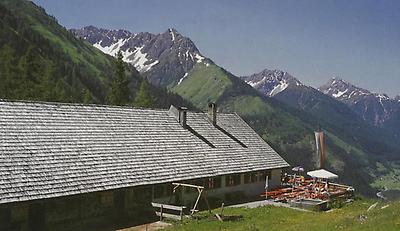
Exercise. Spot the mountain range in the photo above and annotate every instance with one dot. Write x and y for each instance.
(377, 109)
(283, 111)
(164, 59)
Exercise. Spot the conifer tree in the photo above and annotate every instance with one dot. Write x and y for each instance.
(143, 97)
(31, 69)
(51, 88)
(8, 72)
(87, 96)
(118, 94)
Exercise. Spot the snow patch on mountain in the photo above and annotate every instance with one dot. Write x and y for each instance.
(199, 58)
(383, 96)
(135, 57)
(171, 32)
(139, 59)
(181, 79)
(112, 49)
(255, 83)
(279, 88)
(340, 93)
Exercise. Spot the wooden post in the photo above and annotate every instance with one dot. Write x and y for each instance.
(161, 212)
(220, 216)
(200, 189)
(197, 200)
(294, 182)
(322, 156)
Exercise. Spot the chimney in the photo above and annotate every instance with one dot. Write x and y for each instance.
(182, 116)
(179, 114)
(212, 113)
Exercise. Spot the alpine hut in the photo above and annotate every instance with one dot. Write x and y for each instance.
(93, 167)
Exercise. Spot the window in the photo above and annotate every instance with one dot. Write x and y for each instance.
(259, 176)
(262, 175)
(232, 180)
(267, 173)
(212, 182)
(250, 177)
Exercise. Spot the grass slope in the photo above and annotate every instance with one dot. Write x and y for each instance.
(353, 216)
(206, 84)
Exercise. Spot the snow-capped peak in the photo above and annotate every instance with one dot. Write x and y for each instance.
(339, 88)
(163, 58)
(373, 107)
(340, 93)
(271, 82)
(382, 96)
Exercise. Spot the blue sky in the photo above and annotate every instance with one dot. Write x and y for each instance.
(314, 40)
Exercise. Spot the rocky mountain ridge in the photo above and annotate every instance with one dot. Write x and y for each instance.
(271, 82)
(164, 59)
(375, 108)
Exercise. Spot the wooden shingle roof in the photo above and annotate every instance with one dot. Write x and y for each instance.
(53, 149)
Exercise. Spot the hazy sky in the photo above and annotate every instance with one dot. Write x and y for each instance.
(357, 40)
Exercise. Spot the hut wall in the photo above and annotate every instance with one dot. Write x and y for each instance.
(243, 191)
(92, 211)
(126, 207)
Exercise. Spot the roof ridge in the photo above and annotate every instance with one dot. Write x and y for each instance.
(99, 105)
(78, 104)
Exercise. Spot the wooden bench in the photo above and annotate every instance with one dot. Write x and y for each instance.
(163, 214)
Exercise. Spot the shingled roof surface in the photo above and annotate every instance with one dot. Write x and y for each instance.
(52, 149)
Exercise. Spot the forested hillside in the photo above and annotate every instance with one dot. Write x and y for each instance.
(41, 60)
